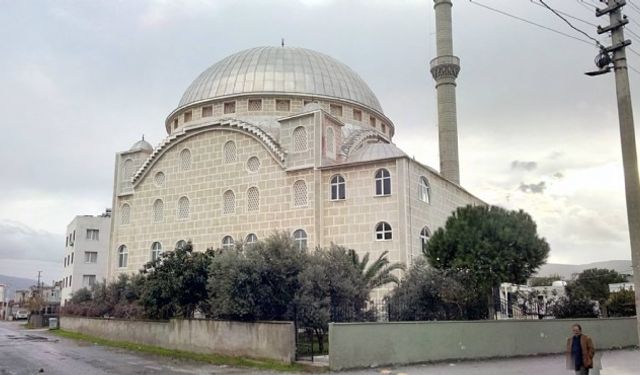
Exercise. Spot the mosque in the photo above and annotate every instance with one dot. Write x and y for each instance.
(283, 138)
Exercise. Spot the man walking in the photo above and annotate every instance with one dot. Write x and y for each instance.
(580, 351)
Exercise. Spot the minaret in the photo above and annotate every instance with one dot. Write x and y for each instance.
(444, 69)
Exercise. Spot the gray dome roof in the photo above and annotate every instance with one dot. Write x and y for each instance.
(141, 145)
(289, 70)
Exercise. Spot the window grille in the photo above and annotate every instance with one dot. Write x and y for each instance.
(255, 105)
(357, 115)
(125, 214)
(207, 111)
(253, 199)
(383, 182)
(338, 188)
(183, 208)
(229, 199)
(185, 159)
(159, 179)
(158, 211)
(156, 250)
(251, 239)
(253, 164)
(424, 190)
(300, 139)
(227, 242)
(300, 239)
(424, 237)
(230, 155)
(300, 193)
(283, 105)
(383, 231)
(123, 256)
(229, 107)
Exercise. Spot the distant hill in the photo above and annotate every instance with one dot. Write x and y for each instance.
(15, 283)
(567, 270)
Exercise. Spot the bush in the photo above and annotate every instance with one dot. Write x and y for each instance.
(566, 308)
(622, 303)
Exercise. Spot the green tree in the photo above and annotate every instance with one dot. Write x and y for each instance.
(622, 303)
(493, 244)
(378, 273)
(569, 308)
(593, 284)
(176, 283)
(543, 281)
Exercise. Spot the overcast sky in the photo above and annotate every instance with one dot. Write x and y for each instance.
(80, 80)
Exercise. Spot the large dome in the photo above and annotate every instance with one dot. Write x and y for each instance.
(287, 70)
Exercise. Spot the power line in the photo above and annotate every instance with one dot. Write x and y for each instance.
(530, 22)
(570, 24)
(566, 14)
(587, 4)
(633, 6)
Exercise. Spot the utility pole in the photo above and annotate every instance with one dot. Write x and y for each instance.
(627, 133)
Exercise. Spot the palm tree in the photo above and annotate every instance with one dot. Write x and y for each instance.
(379, 273)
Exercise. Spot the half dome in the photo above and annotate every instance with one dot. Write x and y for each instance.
(280, 70)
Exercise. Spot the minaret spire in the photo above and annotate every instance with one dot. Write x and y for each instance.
(444, 69)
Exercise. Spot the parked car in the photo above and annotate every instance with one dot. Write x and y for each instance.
(21, 314)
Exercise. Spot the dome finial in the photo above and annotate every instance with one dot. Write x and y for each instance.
(143, 137)
(282, 42)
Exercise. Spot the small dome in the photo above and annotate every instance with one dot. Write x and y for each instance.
(141, 145)
(280, 70)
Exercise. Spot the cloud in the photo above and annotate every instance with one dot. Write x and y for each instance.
(558, 175)
(524, 165)
(533, 188)
(19, 241)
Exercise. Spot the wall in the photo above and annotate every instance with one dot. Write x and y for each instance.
(368, 344)
(271, 340)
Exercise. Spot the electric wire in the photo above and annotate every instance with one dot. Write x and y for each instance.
(587, 4)
(633, 6)
(570, 24)
(565, 14)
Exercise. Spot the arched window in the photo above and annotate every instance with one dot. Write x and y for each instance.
(125, 214)
(127, 169)
(338, 188)
(383, 182)
(330, 141)
(424, 237)
(253, 199)
(158, 211)
(156, 250)
(424, 190)
(181, 244)
(229, 201)
(159, 179)
(253, 164)
(123, 256)
(183, 208)
(227, 242)
(185, 159)
(251, 239)
(383, 231)
(230, 152)
(300, 239)
(299, 139)
(300, 193)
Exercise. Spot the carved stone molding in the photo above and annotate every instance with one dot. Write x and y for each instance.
(445, 71)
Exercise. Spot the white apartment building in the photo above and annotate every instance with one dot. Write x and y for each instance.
(85, 253)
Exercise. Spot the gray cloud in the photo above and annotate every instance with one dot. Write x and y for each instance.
(533, 188)
(18, 241)
(558, 175)
(524, 165)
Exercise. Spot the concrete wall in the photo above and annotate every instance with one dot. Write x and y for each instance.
(272, 340)
(371, 344)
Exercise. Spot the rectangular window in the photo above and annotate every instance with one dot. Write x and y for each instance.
(66, 241)
(64, 261)
(372, 122)
(384, 128)
(90, 256)
(71, 258)
(74, 235)
(187, 116)
(70, 279)
(175, 124)
(207, 111)
(230, 107)
(255, 105)
(88, 280)
(307, 102)
(93, 234)
(283, 105)
(357, 115)
(336, 110)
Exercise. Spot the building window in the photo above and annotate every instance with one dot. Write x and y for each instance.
(300, 193)
(207, 111)
(185, 159)
(64, 260)
(283, 105)
(372, 121)
(93, 234)
(338, 188)
(88, 280)
(123, 256)
(357, 115)
(299, 139)
(66, 242)
(230, 155)
(424, 190)
(156, 250)
(254, 105)
(336, 110)
(175, 123)
(72, 257)
(300, 239)
(187, 116)
(383, 182)
(384, 128)
(229, 107)
(424, 237)
(330, 140)
(383, 231)
(127, 169)
(182, 244)
(183, 208)
(125, 214)
(90, 256)
(70, 279)
(229, 200)
(253, 164)
(251, 239)
(253, 199)
(159, 179)
(158, 211)
(227, 243)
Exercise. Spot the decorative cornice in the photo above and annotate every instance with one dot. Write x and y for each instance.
(445, 67)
